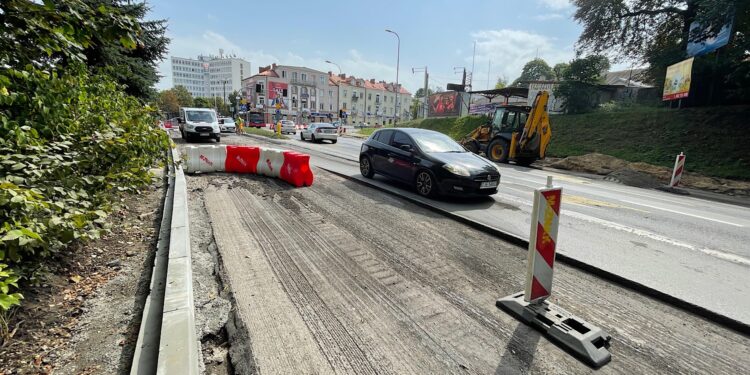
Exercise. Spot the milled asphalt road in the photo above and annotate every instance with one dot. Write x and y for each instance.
(342, 278)
(693, 249)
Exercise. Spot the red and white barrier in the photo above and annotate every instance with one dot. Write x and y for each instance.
(205, 158)
(292, 167)
(545, 217)
(679, 167)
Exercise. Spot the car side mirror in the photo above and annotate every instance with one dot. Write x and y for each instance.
(180, 120)
(221, 122)
(406, 148)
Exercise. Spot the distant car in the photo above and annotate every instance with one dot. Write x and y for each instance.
(362, 125)
(199, 123)
(255, 120)
(227, 125)
(319, 131)
(288, 126)
(430, 161)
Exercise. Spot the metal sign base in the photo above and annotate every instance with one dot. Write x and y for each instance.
(580, 338)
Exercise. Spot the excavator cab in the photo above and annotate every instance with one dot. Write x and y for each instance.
(518, 133)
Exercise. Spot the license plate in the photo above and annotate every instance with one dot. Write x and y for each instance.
(488, 185)
(205, 134)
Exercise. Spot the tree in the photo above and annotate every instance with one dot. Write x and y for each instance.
(420, 92)
(168, 102)
(134, 67)
(559, 70)
(183, 96)
(578, 88)
(233, 100)
(203, 102)
(656, 32)
(501, 83)
(534, 70)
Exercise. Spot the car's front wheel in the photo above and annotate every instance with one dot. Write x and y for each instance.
(301, 136)
(365, 167)
(425, 184)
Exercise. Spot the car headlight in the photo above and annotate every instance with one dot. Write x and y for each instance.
(457, 170)
(190, 126)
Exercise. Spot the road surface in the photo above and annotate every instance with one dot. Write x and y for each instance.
(341, 278)
(694, 249)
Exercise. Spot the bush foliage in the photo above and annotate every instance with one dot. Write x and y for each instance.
(70, 136)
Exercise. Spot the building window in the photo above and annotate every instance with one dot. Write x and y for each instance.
(360, 95)
(344, 93)
(369, 96)
(304, 77)
(283, 74)
(294, 76)
(330, 93)
(321, 106)
(343, 105)
(322, 80)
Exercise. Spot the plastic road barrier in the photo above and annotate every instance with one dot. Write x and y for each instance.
(585, 340)
(290, 166)
(542, 241)
(205, 158)
(296, 169)
(679, 167)
(242, 159)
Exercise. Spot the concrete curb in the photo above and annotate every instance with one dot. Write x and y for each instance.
(707, 314)
(178, 346)
(167, 341)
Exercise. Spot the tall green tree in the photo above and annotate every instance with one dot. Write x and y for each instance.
(184, 97)
(534, 70)
(578, 88)
(559, 70)
(420, 92)
(203, 102)
(168, 103)
(134, 66)
(656, 32)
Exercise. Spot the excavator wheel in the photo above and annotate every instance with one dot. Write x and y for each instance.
(497, 150)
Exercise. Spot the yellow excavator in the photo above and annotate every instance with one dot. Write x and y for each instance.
(518, 133)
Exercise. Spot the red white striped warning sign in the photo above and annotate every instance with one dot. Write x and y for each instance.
(679, 167)
(542, 243)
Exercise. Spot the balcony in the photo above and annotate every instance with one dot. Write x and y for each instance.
(355, 98)
(297, 81)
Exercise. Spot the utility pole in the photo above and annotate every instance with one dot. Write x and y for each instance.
(489, 67)
(224, 93)
(398, 57)
(426, 92)
(471, 78)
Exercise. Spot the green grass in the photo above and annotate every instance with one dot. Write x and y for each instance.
(367, 131)
(716, 140)
(264, 133)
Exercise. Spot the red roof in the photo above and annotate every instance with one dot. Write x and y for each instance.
(368, 84)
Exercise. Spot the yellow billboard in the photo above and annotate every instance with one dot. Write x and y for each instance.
(677, 83)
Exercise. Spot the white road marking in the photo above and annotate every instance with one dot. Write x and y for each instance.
(684, 213)
(644, 233)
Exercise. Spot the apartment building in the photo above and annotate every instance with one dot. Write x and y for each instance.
(371, 101)
(210, 76)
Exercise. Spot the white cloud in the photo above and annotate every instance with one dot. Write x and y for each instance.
(509, 50)
(355, 63)
(556, 4)
(548, 16)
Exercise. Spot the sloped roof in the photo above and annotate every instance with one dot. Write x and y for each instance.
(630, 77)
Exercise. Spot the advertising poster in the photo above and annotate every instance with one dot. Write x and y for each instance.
(444, 104)
(276, 89)
(677, 82)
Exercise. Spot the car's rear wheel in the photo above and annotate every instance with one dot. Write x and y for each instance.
(497, 150)
(365, 167)
(334, 140)
(425, 184)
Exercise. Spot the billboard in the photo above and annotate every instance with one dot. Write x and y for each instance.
(482, 109)
(444, 104)
(276, 89)
(699, 44)
(677, 82)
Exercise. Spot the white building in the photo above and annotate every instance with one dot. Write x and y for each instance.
(210, 76)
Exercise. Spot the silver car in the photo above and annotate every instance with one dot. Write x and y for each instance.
(319, 131)
(227, 124)
(288, 126)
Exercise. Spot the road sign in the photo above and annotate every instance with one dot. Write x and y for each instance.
(578, 336)
(679, 167)
(278, 111)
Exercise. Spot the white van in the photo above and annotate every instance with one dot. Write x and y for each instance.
(199, 123)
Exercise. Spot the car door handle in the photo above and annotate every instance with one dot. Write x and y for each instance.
(392, 155)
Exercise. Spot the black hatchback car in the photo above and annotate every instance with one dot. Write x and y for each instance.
(432, 162)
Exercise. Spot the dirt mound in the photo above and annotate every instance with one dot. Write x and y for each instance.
(646, 175)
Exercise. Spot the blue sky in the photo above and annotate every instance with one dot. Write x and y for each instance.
(437, 33)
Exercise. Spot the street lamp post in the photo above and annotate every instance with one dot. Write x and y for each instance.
(398, 58)
(338, 94)
(224, 94)
(237, 106)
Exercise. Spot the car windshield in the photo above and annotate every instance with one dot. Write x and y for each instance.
(323, 125)
(286, 122)
(228, 121)
(256, 118)
(436, 142)
(200, 116)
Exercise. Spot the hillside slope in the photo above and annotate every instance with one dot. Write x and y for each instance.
(716, 140)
